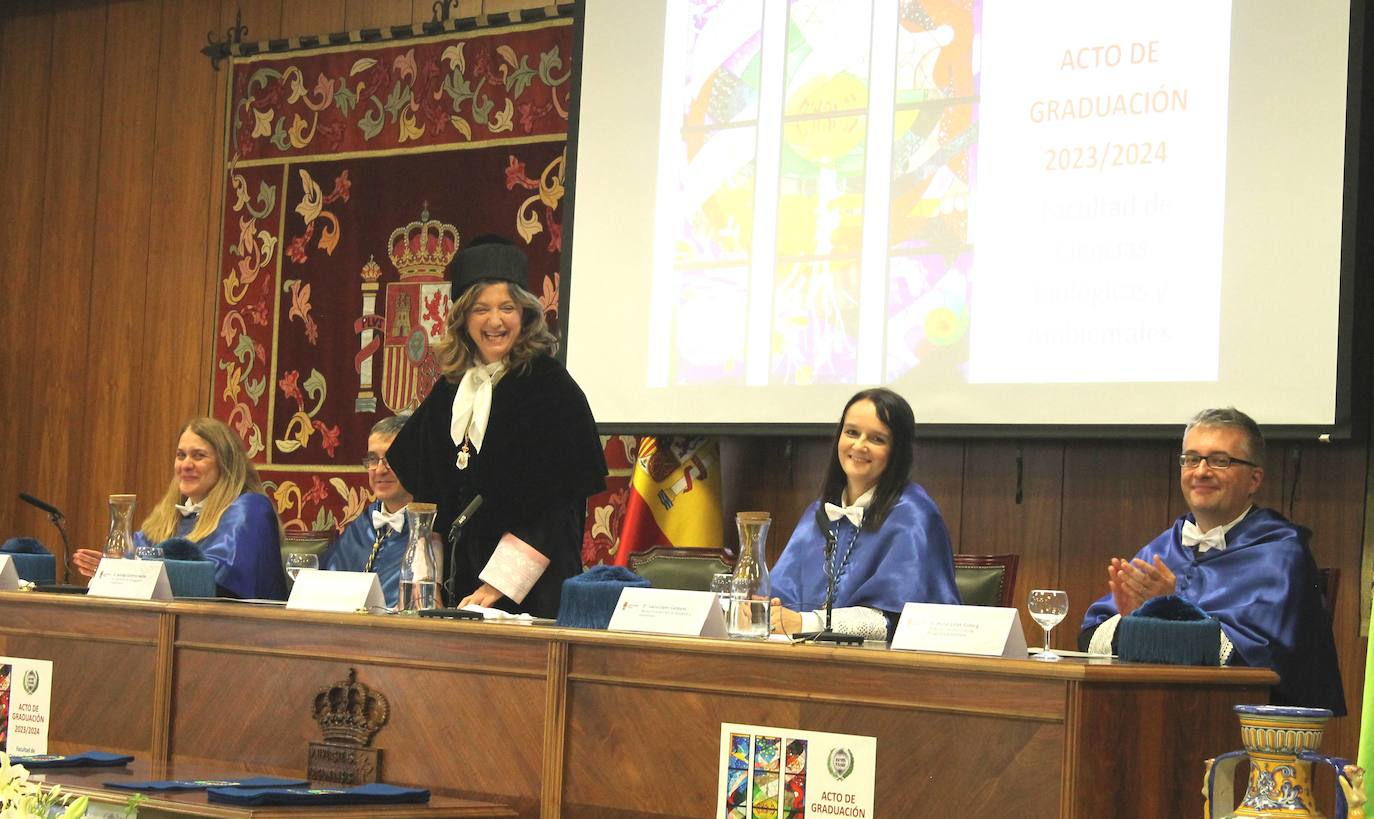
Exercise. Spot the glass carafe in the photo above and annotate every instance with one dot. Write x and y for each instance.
(420, 566)
(120, 541)
(750, 587)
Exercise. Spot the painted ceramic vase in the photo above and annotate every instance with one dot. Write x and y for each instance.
(1281, 745)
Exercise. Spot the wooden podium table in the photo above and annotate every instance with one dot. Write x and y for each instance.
(565, 722)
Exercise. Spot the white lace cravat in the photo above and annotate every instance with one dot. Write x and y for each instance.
(190, 508)
(472, 404)
(396, 520)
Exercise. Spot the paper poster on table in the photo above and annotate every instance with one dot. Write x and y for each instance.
(784, 773)
(25, 697)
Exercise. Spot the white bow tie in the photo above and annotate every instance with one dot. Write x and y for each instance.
(396, 520)
(1193, 536)
(854, 513)
(472, 404)
(190, 508)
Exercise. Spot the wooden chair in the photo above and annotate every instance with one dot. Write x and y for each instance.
(986, 580)
(313, 543)
(689, 569)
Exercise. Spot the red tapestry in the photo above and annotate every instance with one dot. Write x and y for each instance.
(355, 174)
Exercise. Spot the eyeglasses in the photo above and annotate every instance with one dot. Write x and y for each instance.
(373, 461)
(1217, 460)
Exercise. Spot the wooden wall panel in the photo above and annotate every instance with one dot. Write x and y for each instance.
(262, 17)
(123, 189)
(939, 468)
(174, 363)
(60, 442)
(1116, 499)
(25, 63)
(994, 522)
(313, 17)
(1329, 499)
(775, 475)
(360, 14)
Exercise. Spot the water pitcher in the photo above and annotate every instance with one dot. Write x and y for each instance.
(120, 541)
(750, 587)
(420, 566)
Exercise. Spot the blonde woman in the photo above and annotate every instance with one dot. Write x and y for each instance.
(506, 423)
(216, 501)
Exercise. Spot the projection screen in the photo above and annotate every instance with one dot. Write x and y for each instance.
(1013, 213)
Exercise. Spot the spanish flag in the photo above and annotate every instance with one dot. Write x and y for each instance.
(675, 499)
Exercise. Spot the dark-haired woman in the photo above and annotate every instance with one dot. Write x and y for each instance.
(890, 545)
(506, 423)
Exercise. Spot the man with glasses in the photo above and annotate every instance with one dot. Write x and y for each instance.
(376, 540)
(1248, 568)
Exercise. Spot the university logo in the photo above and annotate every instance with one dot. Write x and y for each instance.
(840, 763)
(414, 311)
(30, 681)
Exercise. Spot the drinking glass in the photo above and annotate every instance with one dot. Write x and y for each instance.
(300, 560)
(720, 587)
(1048, 607)
(148, 551)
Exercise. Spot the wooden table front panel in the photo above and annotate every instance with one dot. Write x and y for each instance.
(558, 722)
(466, 710)
(643, 728)
(106, 665)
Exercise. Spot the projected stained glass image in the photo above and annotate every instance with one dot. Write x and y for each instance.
(823, 152)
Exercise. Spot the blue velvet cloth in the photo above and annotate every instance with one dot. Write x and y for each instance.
(191, 578)
(1262, 588)
(376, 793)
(32, 560)
(589, 599)
(907, 560)
(245, 547)
(350, 551)
(24, 546)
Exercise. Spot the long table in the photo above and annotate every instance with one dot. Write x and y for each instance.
(566, 722)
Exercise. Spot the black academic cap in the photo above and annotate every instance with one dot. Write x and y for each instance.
(488, 259)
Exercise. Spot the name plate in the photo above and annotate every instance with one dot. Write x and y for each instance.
(345, 765)
(25, 706)
(985, 630)
(9, 576)
(320, 590)
(669, 611)
(130, 579)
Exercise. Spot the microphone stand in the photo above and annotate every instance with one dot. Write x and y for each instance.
(454, 532)
(57, 518)
(827, 635)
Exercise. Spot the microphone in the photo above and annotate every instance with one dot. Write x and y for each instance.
(468, 511)
(831, 543)
(56, 517)
(453, 532)
(35, 502)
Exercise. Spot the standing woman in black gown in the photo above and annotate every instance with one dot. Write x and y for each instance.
(506, 422)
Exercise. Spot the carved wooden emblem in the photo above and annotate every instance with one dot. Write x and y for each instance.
(349, 714)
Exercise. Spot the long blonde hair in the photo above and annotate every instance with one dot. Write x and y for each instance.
(457, 351)
(236, 476)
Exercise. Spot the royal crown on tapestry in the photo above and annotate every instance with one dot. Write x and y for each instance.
(414, 312)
